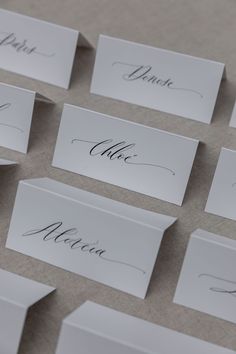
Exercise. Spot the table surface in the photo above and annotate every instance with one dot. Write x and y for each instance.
(204, 28)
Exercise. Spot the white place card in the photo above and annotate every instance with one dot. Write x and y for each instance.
(97, 329)
(16, 110)
(222, 197)
(38, 49)
(104, 240)
(233, 117)
(130, 155)
(4, 162)
(156, 78)
(17, 294)
(207, 282)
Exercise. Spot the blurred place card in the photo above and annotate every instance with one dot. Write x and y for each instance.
(17, 294)
(38, 49)
(4, 162)
(130, 155)
(233, 117)
(222, 197)
(207, 282)
(96, 237)
(16, 110)
(156, 78)
(97, 329)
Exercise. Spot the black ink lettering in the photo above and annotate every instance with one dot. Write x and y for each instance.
(144, 73)
(116, 151)
(21, 46)
(54, 232)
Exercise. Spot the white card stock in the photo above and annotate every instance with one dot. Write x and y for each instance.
(17, 294)
(222, 197)
(16, 110)
(156, 78)
(233, 117)
(96, 237)
(207, 282)
(96, 329)
(38, 49)
(133, 156)
(4, 162)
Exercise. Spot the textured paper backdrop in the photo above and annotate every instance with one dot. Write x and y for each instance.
(204, 28)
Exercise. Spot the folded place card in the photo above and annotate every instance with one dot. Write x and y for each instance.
(156, 78)
(4, 162)
(222, 197)
(207, 282)
(104, 240)
(17, 294)
(38, 49)
(233, 117)
(130, 155)
(96, 329)
(16, 110)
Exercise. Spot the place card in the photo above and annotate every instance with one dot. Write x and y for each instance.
(207, 281)
(156, 78)
(96, 237)
(38, 49)
(130, 155)
(233, 117)
(222, 197)
(4, 162)
(16, 110)
(97, 329)
(17, 294)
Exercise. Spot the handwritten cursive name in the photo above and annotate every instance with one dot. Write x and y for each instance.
(20, 46)
(56, 233)
(220, 290)
(120, 150)
(144, 73)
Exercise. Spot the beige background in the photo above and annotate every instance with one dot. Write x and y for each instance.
(204, 28)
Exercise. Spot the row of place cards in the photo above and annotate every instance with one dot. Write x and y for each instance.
(130, 155)
(16, 111)
(152, 77)
(92, 328)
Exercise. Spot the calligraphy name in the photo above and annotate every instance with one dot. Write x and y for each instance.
(20, 46)
(120, 150)
(56, 233)
(145, 73)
